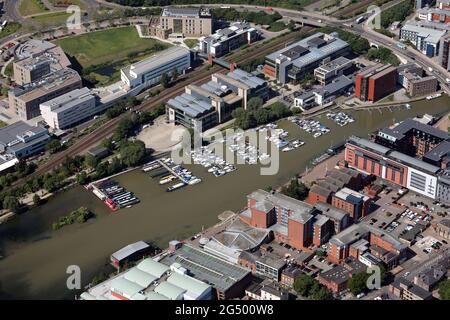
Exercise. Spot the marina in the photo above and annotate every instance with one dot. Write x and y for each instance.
(313, 127)
(113, 195)
(341, 119)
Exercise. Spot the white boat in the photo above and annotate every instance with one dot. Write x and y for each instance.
(287, 149)
(195, 181)
(176, 186)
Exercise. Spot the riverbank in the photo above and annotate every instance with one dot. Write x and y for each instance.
(36, 258)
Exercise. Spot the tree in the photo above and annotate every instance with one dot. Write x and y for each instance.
(36, 199)
(321, 293)
(444, 290)
(132, 153)
(82, 178)
(254, 103)
(90, 161)
(174, 74)
(11, 203)
(53, 146)
(164, 80)
(303, 284)
(358, 283)
(296, 190)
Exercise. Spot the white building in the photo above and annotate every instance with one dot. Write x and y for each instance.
(424, 39)
(70, 109)
(147, 73)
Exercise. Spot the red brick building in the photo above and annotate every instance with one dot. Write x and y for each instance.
(356, 204)
(375, 82)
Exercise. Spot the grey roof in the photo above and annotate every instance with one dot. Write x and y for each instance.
(335, 64)
(338, 275)
(205, 267)
(369, 145)
(180, 12)
(430, 35)
(438, 152)
(129, 250)
(331, 211)
(69, 100)
(315, 52)
(336, 86)
(190, 105)
(155, 61)
(406, 126)
(246, 78)
(19, 135)
(416, 290)
(321, 220)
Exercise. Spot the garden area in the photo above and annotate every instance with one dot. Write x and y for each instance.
(100, 55)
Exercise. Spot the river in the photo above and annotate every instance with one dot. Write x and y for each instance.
(36, 258)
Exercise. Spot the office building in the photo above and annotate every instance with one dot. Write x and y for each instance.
(416, 82)
(228, 39)
(22, 140)
(406, 290)
(329, 70)
(336, 279)
(205, 106)
(25, 100)
(183, 22)
(375, 82)
(327, 94)
(36, 59)
(296, 60)
(426, 40)
(70, 109)
(443, 193)
(148, 72)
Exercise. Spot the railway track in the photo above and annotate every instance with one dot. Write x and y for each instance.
(197, 77)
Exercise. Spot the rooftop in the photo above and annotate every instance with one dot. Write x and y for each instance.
(129, 250)
(185, 12)
(430, 35)
(191, 105)
(335, 64)
(20, 134)
(351, 195)
(68, 100)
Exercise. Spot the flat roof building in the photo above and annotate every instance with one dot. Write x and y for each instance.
(426, 40)
(416, 82)
(228, 39)
(332, 69)
(22, 140)
(375, 82)
(25, 100)
(296, 60)
(70, 109)
(148, 72)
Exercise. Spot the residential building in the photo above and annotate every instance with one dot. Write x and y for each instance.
(22, 140)
(393, 166)
(148, 72)
(356, 204)
(298, 59)
(426, 40)
(25, 100)
(340, 219)
(151, 280)
(266, 290)
(375, 82)
(444, 52)
(205, 106)
(416, 82)
(228, 39)
(336, 279)
(429, 278)
(70, 109)
(289, 274)
(184, 22)
(323, 96)
(404, 289)
(332, 69)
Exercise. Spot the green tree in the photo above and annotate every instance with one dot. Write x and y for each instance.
(320, 293)
(90, 161)
(11, 203)
(164, 80)
(36, 199)
(53, 146)
(82, 178)
(303, 284)
(254, 103)
(444, 290)
(174, 74)
(296, 190)
(132, 153)
(358, 283)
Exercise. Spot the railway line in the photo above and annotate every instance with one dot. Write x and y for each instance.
(197, 77)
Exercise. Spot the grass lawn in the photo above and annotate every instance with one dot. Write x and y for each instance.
(191, 42)
(108, 46)
(30, 7)
(52, 18)
(10, 28)
(277, 26)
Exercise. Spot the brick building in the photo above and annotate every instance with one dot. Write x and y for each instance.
(356, 204)
(375, 82)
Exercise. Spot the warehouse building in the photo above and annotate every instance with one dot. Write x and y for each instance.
(151, 280)
(424, 39)
(375, 82)
(296, 60)
(70, 109)
(228, 39)
(25, 100)
(22, 140)
(148, 72)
